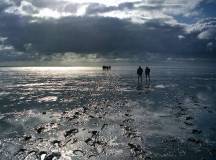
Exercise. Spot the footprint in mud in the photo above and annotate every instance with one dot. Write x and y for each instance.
(93, 157)
(78, 152)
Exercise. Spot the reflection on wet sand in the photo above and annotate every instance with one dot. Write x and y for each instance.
(98, 115)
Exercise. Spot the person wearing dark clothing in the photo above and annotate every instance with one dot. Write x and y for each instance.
(147, 74)
(139, 74)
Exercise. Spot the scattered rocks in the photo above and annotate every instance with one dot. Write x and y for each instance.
(20, 151)
(136, 149)
(128, 120)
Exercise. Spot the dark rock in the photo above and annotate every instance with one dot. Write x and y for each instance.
(90, 116)
(53, 155)
(88, 140)
(194, 140)
(104, 125)
(188, 123)
(189, 118)
(77, 113)
(26, 138)
(70, 132)
(21, 150)
(43, 112)
(40, 129)
(148, 158)
(65, 112)
(56, 142)
(213, 152)
(41, 153)
(94, 133)
(196, 131)
(92, 156)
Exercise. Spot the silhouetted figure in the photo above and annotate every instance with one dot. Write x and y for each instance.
(147, 74)
(106, 68)
(139, 74)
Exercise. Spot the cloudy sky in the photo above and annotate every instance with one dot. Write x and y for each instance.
(74, 32)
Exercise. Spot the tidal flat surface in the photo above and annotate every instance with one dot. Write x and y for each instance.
(85, 113)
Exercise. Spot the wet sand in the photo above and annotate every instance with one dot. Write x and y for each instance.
(106, 115)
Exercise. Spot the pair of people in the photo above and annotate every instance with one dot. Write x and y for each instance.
(147, 74)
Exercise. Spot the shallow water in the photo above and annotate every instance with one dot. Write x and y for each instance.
(85, 113)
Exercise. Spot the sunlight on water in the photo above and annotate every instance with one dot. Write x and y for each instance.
(54, 70)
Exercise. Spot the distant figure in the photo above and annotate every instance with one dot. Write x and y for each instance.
(106, 68)
(139, 74)
(147, 74)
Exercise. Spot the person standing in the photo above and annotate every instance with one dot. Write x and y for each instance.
(147, 74)
(139, 74)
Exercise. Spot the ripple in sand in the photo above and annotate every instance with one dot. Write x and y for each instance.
(48, 99)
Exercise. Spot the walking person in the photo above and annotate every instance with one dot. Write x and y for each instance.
(147, 74)
(139, 74)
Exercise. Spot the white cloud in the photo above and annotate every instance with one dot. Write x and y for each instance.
(208, 34)
(104, 2)
(49, 13)
(139, 12)
(181, 37)
(25, 8)
(205, 28)
(210, 46)
(6, 47)
(3, 39)
(202, 25)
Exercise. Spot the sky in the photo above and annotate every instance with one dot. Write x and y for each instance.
(82, 32)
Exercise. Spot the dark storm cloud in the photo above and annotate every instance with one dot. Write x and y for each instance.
(31, 38)
(108, 37)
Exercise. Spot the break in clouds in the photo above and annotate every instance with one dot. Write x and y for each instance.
(63, 30)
